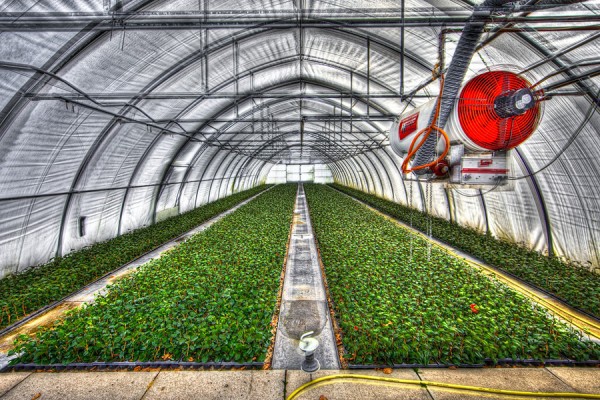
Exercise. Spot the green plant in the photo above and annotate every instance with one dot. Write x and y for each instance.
(24, 293)
(569, 281)
(211, 298)
(399, 301)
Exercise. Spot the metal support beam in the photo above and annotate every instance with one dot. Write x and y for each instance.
(402, 29)
(41, 96)
(28, 22)
(540, 204)
(485, 212)
(368, 73)
(97, 190)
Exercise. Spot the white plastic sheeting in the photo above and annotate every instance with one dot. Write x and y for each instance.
(120, 161)
(282, 173)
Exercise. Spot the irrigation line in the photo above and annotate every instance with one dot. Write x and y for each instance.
(563, 309)
(488, 362)
(132, 365)
(7, 330)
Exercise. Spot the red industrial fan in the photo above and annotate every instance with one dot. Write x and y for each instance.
(495, 111)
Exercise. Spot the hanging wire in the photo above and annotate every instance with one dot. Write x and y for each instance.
(477, 195)
(429, 196)
(410, 196)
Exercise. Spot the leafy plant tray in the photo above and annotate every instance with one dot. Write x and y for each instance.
(481, 261)
(399, 301)
(565, 280)
(32, 292)
(207, 303)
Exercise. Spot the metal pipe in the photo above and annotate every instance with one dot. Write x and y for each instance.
(188, 95)
(105, 189)
(58, 24)
(457, 70)
(455, 75)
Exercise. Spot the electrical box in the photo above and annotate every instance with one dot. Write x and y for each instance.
(484, 169)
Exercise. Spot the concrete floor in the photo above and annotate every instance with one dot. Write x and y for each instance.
(304, 305)
(277, 384)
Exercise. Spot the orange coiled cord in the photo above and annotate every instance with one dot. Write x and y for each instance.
(424, 134)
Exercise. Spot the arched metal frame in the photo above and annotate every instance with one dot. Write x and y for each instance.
(18, 102)
(263, 105)
(36, 83)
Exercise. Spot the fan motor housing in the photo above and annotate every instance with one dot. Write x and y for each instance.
(495, 111)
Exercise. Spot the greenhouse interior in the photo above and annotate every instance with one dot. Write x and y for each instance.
(299, 199)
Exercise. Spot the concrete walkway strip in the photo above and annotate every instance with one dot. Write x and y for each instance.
(99, 287)
(276, 385)
(206, 385)
(304, 305)
(81, 385)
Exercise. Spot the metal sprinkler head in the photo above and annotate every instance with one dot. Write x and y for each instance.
(308, 346)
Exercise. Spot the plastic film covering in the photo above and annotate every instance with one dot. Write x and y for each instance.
(124, 127)
(277, 174)
(515, 216)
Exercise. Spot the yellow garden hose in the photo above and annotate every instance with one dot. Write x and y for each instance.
(362, 378)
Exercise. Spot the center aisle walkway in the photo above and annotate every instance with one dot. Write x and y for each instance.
(304, 305)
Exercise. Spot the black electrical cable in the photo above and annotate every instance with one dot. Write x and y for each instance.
(580, 63)
(18, 66)
(480, 193)
(575, 79)
(589, 114)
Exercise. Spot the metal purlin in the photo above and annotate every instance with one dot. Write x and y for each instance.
(153, 85)
(236, 104)
(347, 167)
(366, 154)
(198, 152)
(229, 107)
(316, 148)
(107, 129)
(267, 104)
(273, 140)
(278, 63)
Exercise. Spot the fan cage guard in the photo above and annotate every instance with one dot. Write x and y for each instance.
(479, 121)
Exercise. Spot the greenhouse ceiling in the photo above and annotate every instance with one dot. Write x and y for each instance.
(116, 111)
